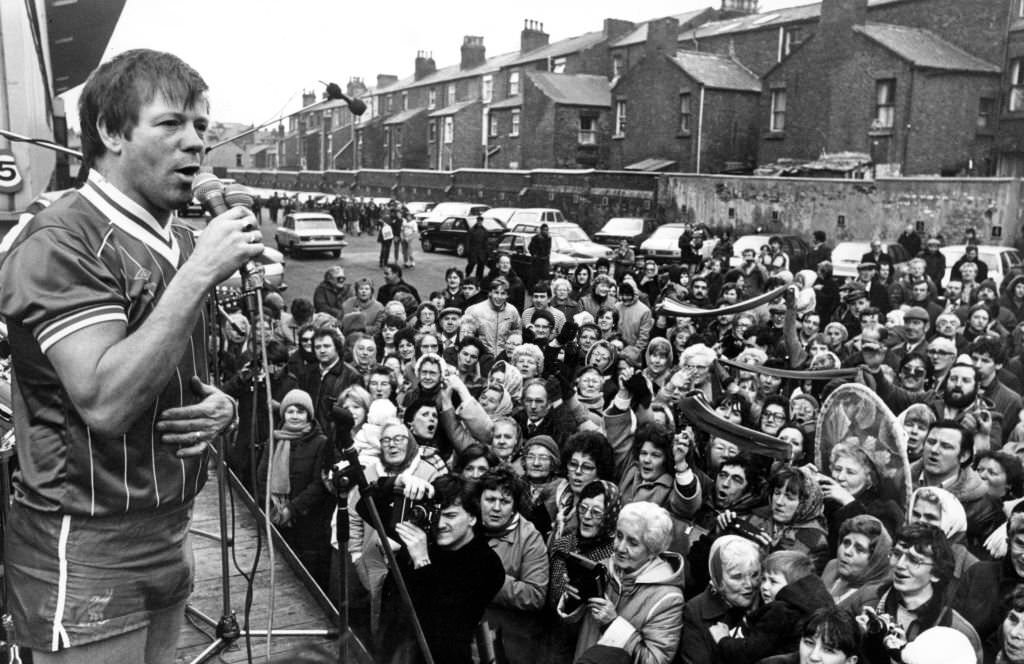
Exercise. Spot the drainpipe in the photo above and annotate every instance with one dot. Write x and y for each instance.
(908, 126)
(700, 125)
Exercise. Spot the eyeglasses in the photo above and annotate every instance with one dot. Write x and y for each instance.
(577, 467)
(937, 351)
(912, 372)
(306, 340)
(394, 441)
(871, 349)
(695, 367)
(913, 560)
(591, 512)
(537, 458)
(772, 415)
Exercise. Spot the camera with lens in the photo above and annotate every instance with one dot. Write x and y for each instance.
(424, 514)
(744, 528)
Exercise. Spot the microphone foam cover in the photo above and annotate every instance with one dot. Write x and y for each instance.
(204, 184)
(236, 195)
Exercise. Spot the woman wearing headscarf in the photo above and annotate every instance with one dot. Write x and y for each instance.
(597, 513)
(402, 469)
(540, 467)
(588, 393)
(506, 375)
(641, 610)
(941, 508)
(733, 592)
(605, 358)
(862, 559)
(793, 518)
(299, 504)
(806, 301)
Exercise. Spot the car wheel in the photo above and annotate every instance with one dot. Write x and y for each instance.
(281, 246)
(427, 245)
(460, 249)
(336, 253)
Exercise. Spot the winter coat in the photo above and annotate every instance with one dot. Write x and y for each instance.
(984, 513)
(697, 645)
(491, 327)
(774, 629)
(516, 609)
(650, 613)
(982, 598)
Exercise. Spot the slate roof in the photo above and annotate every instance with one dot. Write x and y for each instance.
(717, 71)
(453, 109)
(573, 89)
(764, 19)
(450, 73)
(511, 102)
(639, 34)
(923, 48)
(562, 47)
(404, 116)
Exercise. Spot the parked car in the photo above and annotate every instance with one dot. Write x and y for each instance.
(536, 215)
(309, 231)
(442, 211)
(515, 245)
(846, 256)
(999, 259)
(452, 234)
(501, 214)
(632, 229)
(795, 247)
(570, 232)
(273, 264)
(417, 208)
(663, 245)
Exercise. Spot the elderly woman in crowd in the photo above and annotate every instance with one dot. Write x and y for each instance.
(862, 559)
(733, 592)
(515, 612)
(940, 508)
(855, 487)
(507, 376)
(529, 360)
(539, 466)
(641, 610)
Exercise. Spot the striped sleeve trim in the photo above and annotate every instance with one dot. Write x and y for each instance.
(53, 331)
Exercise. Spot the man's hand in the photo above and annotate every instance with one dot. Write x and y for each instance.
(225, 245)
(415, 541)
(193, 427)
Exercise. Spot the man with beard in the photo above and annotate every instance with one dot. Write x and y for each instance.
(699, 293)
(494, 320)
(960, 398)
(330, 293)
(363, 303)
(989, 356)
(946, 463)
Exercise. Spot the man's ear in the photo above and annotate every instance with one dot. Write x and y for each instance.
(112, 141)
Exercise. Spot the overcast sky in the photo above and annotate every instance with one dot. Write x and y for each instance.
(258, 55)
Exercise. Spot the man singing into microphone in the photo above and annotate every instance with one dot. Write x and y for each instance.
(103, 295)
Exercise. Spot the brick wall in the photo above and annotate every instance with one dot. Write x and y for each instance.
(806, 131)
(758, 50)
(977, 26)
(653, 119)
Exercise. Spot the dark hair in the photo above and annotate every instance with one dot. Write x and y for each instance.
(627, 289)
(302, 310)
(1011, 466)
(504, 479)
(776, 400)
(474, 342)
(396, 322)
(966, 439)
(333, 335)
(381, 370)
(736, 402)
(819, 236)
(789, 479)
(929, 368)
(453, 490)
(657, 435)
(405, 334)
(596, 446)
(541, 286)
(930, 541)
(410, 411)
(277, 352)
(755, 478)
(120, 87)
(498, 282)
(836, 627)
(396, 268)
(471, 454)
(614, 312)
(995, 348)
(453, 270)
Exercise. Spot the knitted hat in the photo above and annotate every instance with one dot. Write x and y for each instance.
(299, 398)
(547, 442)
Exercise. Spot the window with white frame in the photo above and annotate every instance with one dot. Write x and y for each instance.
(791, 38)
(432, 131)
(449, 129)
(513, 83)
(986, 109)
(389, 103)
(588, 129)
(885, 104)
(492, 125)
(558, 65)
(515, 123)
(449, 97)
(685, 113)
(405, 101)
(487, 88)
(617, 65)
(1016, 96)
(620, 118)
(777, 121)
(432, 98)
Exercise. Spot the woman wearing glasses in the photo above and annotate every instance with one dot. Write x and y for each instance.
(586, 457)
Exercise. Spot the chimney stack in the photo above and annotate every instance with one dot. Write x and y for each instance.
(616, 27)
(355, 87)
(384, 80)
(424, 65)
(533, 36)
(662, 37)
(473, 52)
(308, 98)
(836, 24)
(734, 8)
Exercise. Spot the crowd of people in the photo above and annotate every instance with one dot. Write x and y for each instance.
(756, 463)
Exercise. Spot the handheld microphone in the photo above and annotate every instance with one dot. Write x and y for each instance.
(252, 276)
(209, 191)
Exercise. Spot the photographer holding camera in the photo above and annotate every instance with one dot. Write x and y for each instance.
(452, 575)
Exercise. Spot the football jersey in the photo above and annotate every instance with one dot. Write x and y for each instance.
(93, 257)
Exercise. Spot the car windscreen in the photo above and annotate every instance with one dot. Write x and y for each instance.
(666, 233)
(315, 225)
(571, 234)
(492, 224)
(623, 226)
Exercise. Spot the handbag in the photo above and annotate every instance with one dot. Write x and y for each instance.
(386, 233)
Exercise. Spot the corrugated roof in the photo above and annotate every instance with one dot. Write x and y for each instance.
(573, 89)
(639, 34)
(717, 71)
(511, 102)
(923, 48)
(559, 48)
(453, 109)
(404, 116)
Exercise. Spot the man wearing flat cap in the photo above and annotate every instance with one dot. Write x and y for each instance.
(867, 278)
(916, 324)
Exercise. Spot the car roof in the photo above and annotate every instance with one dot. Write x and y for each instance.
(310, 215)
